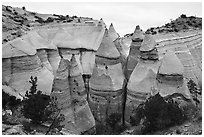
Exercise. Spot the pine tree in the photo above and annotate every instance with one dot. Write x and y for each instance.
(35, 104)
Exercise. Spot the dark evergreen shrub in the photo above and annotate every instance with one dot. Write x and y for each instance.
(49, 19)
(159, 113)
(23, 8)
(35, 104)
(183, 16)
(114, 119)
(10, 102)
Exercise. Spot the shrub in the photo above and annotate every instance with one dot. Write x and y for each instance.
(23, 8)
(15, 13)
(159, 113)
(10, 102)
(154, 32)
(40, 108)
(49, 19)
(8, 8)
(115, 123)
(55, 117)
(137, 115)
(114, 119)
(176, 30)
(183, 16)
(35, 104)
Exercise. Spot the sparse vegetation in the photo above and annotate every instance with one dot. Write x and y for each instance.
(158, 114)
(23, 8)
(113, 125)
(35, 104)
(10, 102)
(179, 24)
(183, 16)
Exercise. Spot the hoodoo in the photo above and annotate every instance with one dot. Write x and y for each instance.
(20, 62)
(170, 77)
(143, 77)
(103, 83)
(112, 33)
(134, 52)
(106, 83)
(68, 88)
(83, 117)
(148, 48)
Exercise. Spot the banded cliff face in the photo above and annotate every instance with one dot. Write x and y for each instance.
(143, 77)
(38, 53)
(68, 88)
(187, 46)
(106, 83)
(19, 63)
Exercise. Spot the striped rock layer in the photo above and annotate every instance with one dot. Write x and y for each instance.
(106, 83)
(20, 63)
(68, 88)
(38, 53)
(161, 69)
(188, 48)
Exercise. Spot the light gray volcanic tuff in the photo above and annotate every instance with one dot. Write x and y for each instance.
(119, 73)
(134, 52)
(68, 88)
(106, 83)
(47, 40)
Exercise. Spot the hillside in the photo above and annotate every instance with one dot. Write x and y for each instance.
(17, 21)
(182, 23)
